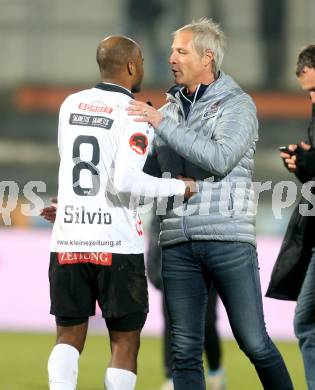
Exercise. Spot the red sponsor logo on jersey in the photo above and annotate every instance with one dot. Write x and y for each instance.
(139, 226)
(100, 258)
(139, 143)
(93, 108)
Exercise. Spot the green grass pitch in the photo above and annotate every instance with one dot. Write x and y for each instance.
(23, 362)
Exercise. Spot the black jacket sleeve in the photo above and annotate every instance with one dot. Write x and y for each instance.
(305, 163)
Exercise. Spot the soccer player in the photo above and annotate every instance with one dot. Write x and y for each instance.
(97, 240)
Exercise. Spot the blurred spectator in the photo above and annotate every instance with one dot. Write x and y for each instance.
(272, 29)
(216, 12)
(142, 21)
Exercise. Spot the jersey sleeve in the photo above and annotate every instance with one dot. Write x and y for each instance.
(62, 122)
(133, 150)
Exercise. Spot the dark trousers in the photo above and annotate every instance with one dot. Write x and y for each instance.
(212, 344)
(304, 323)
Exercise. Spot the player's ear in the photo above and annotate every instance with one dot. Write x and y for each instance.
(131, 67)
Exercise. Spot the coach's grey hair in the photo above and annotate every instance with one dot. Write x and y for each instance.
(207, 35)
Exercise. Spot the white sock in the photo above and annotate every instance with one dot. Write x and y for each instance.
(118, 379)
(63, 367)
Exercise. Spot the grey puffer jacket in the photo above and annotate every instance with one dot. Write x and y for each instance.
(215, 145)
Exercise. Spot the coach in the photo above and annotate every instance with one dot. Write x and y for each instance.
(209, 128)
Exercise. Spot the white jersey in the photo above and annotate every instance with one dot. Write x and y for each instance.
(102, 154)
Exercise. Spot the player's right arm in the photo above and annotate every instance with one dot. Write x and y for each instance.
(130, 159)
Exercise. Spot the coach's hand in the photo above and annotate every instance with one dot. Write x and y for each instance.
(144, 113)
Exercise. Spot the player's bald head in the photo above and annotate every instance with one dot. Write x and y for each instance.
(114, 53)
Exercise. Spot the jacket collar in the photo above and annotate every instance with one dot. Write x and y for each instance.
(113, 88)
(202, 87)
(219, 89)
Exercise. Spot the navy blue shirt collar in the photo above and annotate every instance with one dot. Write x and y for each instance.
(184, 93)
(189, 99)
(114, 88)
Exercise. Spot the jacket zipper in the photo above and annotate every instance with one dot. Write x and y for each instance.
(184, 223)
(184, 220)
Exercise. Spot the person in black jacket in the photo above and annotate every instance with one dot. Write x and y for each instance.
(301, 161)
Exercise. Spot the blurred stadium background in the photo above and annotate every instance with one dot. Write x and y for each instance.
(48, 51)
